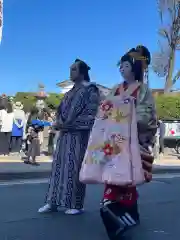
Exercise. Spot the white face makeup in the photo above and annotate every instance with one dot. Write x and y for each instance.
(126, 70)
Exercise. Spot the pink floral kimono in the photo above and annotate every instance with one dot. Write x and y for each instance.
(119, 209)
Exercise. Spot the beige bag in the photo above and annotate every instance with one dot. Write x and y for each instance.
(113, 154)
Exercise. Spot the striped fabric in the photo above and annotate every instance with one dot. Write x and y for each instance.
(76, 113)
(118, 219)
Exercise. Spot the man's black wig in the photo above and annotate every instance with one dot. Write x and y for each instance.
(83, 69)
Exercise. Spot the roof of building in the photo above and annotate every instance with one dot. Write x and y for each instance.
(67, 83)
(157, 90)
(64, 83)
(161, 90)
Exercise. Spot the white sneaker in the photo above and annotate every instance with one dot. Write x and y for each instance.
(45, 209)
(74, 211)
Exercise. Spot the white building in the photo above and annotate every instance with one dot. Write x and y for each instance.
(67, 85)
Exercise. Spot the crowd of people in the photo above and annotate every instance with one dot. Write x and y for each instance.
(22, 132)
(12, 126)
(75, 119)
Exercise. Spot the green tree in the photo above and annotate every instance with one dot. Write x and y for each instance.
(26, 98)
(29, 100)
(53, 100)
(168, 107)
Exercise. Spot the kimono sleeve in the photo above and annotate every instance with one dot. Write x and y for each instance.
(146, 115)
(85, 119)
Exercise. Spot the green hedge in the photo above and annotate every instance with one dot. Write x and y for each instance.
(27, 98)
(168, 107)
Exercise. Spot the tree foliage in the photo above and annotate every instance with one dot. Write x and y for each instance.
(28, 99)
(168, 107)
(53, 100)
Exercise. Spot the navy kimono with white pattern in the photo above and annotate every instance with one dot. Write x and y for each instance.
(75, 116)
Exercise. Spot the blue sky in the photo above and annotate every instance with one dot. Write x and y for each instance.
(42, 38)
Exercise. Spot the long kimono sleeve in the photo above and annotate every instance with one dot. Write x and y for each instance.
(146, 116)
(83, 118)
(147, 127)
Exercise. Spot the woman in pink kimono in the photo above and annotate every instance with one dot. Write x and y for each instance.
(119, 209)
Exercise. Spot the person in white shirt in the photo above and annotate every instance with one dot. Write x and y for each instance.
(3, 113)
(6, 117)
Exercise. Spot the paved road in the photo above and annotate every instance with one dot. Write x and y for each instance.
(19, 219)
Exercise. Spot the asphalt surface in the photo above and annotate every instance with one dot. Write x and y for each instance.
(19, 220)
(18, 170)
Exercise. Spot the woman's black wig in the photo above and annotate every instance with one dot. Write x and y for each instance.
(137, 57)
(144, 52)
(83, 69)
(146, 56)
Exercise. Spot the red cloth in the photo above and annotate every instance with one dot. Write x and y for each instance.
(125, 195)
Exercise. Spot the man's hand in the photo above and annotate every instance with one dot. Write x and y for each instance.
(57, 126)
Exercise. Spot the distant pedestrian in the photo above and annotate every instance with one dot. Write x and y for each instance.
(33, 144)
(156, 145)
(75, 118)
(162, 129)
(52, 134)
(3, 113)
(7, 117)
(18, 128)
(51, 137)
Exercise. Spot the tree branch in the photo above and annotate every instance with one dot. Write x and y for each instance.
(176, 77)
(164, 33)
